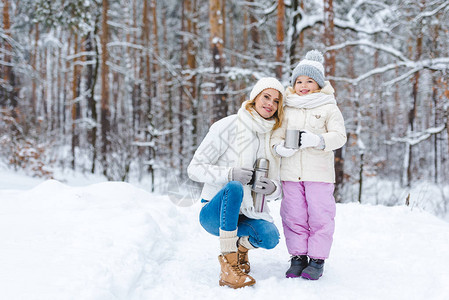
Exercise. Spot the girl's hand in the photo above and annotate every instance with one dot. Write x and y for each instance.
(283, 151)
(308, 139)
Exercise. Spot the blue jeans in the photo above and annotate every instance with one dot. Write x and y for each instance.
(222, 212)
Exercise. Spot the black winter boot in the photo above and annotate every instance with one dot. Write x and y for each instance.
(314, 270)
(297, 264)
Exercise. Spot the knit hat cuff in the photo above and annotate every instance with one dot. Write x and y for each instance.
(266, 83)
(309, 71)
(314, 63)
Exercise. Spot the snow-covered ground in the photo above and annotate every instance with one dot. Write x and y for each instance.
(112, 240)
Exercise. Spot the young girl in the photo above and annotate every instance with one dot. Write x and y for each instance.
(307, 174)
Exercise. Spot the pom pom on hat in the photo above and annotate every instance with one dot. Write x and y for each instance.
(311, 66)
(266, 83)
(315, 55)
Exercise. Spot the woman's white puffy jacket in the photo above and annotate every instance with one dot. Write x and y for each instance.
(217, 154)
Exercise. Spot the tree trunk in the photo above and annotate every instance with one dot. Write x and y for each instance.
(223, 20)
(146, 41)
(6, 70)
(34, 67)
(75, 94)
(294, 35)
(254, 31)
(245, 33)
(148, 92)
(169, 86)
(155, 44)
(301, 34)
(181, 144)
(91, 79)
(216, 17)
(144, 70)
(8, 76)
(330, 71)
(412, 112)
(105, 111)
(232, 18)
(280, 38)
(329, 37)
(191, 62)
(435, 124)
(436, 111)
(361, 177)
(446, 113)
(65, 86)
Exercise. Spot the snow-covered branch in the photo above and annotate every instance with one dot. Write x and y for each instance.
(356, 7)
(414, 138)
(308, 21)
(126, 44)
(368, 43)
(441, 63)
(360, 29)
(80, 54)
(431, 13)
(123, 26)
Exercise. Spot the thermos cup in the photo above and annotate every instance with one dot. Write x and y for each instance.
(261, 167)
(292, 138)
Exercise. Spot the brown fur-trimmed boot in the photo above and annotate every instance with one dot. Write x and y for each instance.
(243, 259)
(231, 275)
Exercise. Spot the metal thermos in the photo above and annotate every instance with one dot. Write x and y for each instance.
(292, 139)
(261, 167)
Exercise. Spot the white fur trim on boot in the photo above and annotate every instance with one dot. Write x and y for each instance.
(228, 241)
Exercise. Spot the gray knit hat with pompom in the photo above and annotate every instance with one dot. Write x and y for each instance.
(311, 66)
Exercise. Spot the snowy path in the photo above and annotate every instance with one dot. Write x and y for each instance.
(115, 241)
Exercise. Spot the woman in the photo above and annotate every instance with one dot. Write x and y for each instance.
(224, 163)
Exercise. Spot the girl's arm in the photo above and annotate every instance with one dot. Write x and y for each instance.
(335, 137)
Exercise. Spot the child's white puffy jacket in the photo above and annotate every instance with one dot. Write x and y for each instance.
(312, 164)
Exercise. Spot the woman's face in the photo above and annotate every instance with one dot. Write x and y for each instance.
(305, 85)
(266, 103)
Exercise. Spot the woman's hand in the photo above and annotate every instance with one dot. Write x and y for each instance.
(264, 186)
(243, 175)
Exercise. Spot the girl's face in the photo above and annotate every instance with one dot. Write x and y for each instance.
(305, 85)
(266, 103)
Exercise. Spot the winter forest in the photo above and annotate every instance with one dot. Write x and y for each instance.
(128, 88)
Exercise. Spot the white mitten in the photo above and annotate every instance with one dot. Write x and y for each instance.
(283, 151)
(309, 139)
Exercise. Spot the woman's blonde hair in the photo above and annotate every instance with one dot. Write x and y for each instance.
(278, 115)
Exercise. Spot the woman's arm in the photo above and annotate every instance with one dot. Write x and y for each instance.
(203, 167)
(278, 136)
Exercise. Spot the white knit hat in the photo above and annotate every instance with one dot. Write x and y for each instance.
(266, 83)
(311, 66)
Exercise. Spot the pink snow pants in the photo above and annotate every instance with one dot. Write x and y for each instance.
(308, 212)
